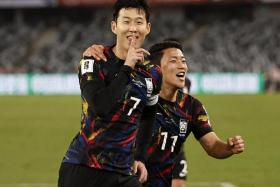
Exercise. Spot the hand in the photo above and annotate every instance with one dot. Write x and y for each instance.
(95, 51)
(135, 55)
(237, 144)
(140, 169)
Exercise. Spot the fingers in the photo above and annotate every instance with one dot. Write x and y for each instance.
(132, 42)
(140, 54)
(135, 164)
(238, 144)
(142, 173)
(142, 51)
(95, 51)
(135, 55)
(140, 169)
(230, 141)
(139, 50)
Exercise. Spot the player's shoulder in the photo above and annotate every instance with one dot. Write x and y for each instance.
(90, 60)
(88, 64)
(148, 67)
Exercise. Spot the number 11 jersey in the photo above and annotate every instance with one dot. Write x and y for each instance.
(174, 122)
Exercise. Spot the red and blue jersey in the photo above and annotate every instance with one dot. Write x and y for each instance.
(174, 122)
(113, 97)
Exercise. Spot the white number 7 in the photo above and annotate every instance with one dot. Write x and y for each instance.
(137, 101)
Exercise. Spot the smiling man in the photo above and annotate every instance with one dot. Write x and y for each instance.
(118, 99)
(178, 115)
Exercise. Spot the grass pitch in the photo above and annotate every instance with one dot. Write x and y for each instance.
(35, 132)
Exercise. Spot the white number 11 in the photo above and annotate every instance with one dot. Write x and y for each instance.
(165, 135)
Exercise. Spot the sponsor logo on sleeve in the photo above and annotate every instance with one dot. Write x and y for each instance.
(87, 66)
(203, 118)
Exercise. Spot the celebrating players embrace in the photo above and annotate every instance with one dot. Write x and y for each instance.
(127, 131)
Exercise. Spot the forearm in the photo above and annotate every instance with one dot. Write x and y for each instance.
(215, 147)
(220, 150)
(102, 99)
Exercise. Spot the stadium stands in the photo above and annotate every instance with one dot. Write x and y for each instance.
(52, 40)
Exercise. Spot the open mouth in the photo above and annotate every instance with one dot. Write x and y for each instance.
(181, 74)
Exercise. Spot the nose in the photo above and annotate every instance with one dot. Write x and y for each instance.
(132, 27)
(183, 65)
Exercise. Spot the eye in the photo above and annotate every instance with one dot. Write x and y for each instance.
(126, 22)
(139, 22)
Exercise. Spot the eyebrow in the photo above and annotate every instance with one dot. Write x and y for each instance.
(178, 57)
(125, 17)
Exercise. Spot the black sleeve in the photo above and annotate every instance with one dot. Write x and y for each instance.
(101, 97)
(144, 136)
(201, 123)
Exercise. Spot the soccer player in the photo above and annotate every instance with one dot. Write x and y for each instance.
(117, 96)
(178, 115)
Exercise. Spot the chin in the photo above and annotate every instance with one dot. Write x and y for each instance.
(176, 86)
(180, 86)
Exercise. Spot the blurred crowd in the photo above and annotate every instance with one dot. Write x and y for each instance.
(216, 39)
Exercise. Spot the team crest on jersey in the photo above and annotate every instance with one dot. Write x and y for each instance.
(87, 66)
(149, 84)
(183, 127)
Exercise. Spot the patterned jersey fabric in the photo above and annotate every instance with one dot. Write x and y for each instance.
(106, 139)
(174, 122)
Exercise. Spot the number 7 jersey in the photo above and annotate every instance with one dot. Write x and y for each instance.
(113, 99)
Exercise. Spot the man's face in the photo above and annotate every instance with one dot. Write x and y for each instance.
(174, 68)
(131, 22)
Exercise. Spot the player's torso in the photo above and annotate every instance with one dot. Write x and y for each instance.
(128, 109)
(109, 140)
(173, 125)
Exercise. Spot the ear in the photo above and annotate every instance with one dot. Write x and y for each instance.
(148, 28)
(113, 26)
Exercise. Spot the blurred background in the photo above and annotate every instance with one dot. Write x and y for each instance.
(233, 53)
(219, 36)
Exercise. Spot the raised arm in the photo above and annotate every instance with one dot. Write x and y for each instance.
(101, 97)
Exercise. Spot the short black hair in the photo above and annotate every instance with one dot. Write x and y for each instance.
(188, 84)
(156, 50)
(140, 4)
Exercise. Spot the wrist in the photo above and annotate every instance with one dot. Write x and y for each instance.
(230, 149)
(130, 65)
(126, 69)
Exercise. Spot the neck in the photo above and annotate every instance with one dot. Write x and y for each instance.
(120, 52)
(168, 93)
